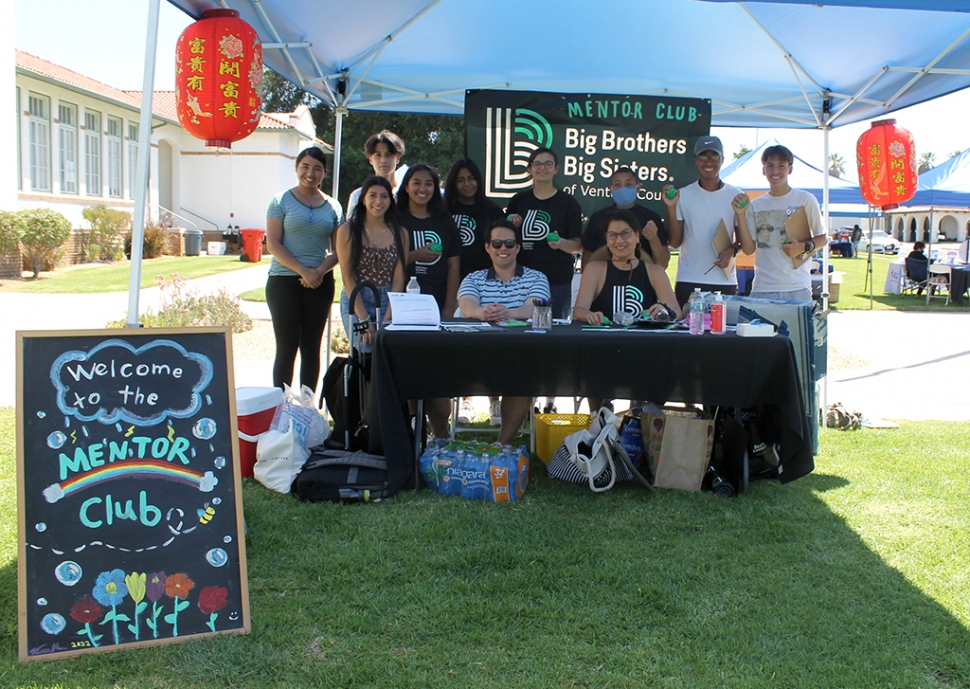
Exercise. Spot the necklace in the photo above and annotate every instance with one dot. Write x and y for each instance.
(630, 267)
(370, 239)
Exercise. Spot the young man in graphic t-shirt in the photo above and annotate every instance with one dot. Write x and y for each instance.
(775, 274)
(693, 216)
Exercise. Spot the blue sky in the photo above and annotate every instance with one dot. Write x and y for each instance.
(105, 39)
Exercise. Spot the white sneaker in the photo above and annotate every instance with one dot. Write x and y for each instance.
(466, 413)
(495, 413)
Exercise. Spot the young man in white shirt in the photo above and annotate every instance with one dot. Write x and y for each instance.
(693, 216)
(775, 273)
(384, 151)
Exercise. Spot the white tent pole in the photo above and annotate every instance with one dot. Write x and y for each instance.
(825, 257)
(141, 170)
(338, 130)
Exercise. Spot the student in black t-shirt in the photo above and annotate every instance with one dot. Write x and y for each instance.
(472, 213)
(434, 256)
(539, 212)
(653, 238)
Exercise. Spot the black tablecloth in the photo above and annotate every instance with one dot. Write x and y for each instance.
(958, 283)
(723, 370)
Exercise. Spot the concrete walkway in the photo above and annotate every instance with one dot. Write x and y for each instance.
(918, 364)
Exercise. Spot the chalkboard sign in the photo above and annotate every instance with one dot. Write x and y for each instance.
(129, 501)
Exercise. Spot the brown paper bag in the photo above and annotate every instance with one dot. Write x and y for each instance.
(678, 448)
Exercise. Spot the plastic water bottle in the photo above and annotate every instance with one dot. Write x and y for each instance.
(695, 317)
(451, 462)
(475, 480)
(413, 286)
(718, 315)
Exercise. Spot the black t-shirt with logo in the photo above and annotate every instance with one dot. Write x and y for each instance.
(595, 234)
(560, 213)
(433, 276)
(473, 221)
(625, 290)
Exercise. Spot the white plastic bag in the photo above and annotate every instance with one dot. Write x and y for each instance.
(279, 458)
(309, 422)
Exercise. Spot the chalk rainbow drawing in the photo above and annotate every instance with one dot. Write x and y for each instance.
(141, 469)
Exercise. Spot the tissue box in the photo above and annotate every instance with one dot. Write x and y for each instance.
(756, 330)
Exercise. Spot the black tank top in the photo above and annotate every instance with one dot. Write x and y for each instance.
(625, 290)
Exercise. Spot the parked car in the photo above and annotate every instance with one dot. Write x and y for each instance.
(882, 243)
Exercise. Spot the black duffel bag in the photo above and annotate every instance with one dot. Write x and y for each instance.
(342, 476)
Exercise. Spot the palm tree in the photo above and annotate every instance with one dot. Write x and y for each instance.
(743, 152)
(926, 162)
(954, 154)
(836, 165)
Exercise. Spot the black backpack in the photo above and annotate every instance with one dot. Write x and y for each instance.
(342, 476)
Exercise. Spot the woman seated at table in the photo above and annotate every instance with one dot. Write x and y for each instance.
(619, 265)
(616, 280)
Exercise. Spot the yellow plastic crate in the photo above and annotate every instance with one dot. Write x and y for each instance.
(552, 428)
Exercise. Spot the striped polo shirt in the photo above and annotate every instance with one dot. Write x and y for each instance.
(485, 285)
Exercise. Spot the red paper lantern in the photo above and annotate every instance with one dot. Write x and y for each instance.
(218, 70)
(886, 157)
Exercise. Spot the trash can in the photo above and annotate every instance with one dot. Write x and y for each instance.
(252, 244)
(193, 242)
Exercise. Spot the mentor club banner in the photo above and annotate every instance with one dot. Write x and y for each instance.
(593, 134)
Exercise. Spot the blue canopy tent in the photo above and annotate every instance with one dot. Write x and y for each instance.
(746, 173)
(762, 64)
(945, 185)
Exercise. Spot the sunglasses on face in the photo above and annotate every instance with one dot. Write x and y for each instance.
(498, 243)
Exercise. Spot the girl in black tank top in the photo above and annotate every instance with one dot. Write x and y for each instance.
(623, 282)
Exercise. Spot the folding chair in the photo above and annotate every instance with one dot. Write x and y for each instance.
(916, 275)
(940, 281)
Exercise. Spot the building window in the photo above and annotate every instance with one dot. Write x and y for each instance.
(132, 157)
(67, 146)
(40, 142)
(92, 152)
(114, 157)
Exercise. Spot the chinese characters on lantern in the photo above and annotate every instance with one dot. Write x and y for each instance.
(887, 165)
(219, 67)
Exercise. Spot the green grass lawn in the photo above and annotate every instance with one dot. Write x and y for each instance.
(91, 278)
(854, 294)
(854, 576)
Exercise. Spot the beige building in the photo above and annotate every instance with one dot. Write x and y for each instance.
(77, 146)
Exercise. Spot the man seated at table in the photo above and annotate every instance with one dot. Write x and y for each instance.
(500, 293)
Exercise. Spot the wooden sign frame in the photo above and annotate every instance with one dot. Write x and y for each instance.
(129, 494)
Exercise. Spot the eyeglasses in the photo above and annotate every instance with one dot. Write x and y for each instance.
(499, 243)
(625, 234)
(548, 164)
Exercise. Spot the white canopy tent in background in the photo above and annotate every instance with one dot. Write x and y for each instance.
(775, 63)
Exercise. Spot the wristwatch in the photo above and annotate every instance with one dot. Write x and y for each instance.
(809, 249)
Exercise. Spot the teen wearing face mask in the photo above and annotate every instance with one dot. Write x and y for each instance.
(653, 238)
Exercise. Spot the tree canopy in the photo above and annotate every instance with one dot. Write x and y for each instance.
(437, 140)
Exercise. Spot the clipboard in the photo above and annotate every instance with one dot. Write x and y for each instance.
(721, 242)
(796, 227)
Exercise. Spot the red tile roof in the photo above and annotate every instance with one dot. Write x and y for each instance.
(163, 102)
